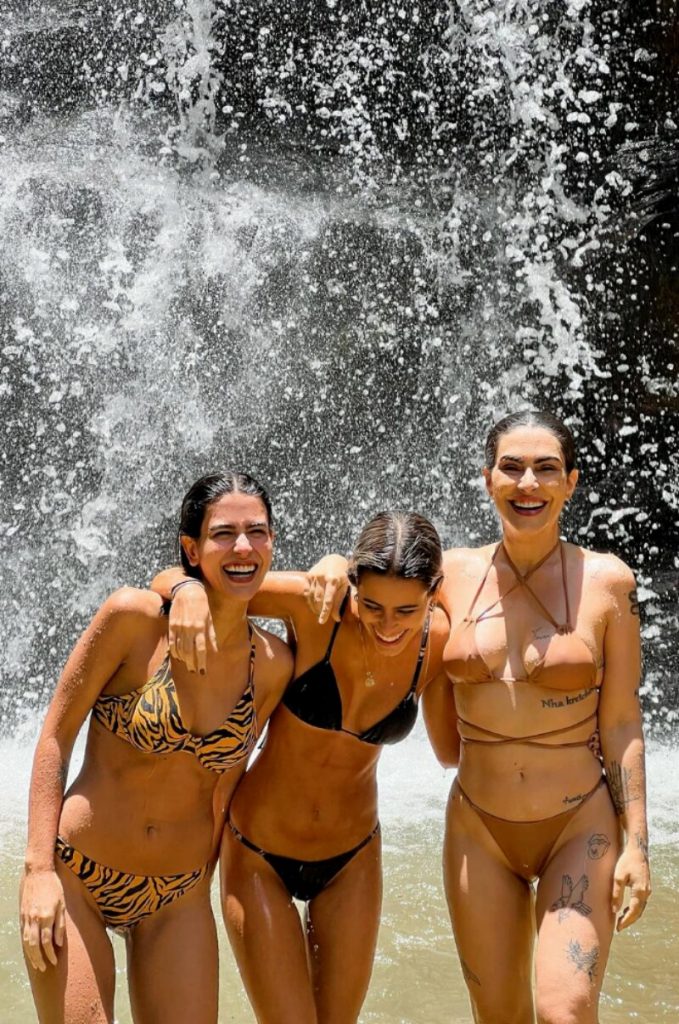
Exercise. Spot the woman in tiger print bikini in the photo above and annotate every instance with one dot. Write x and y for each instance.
(133, 842)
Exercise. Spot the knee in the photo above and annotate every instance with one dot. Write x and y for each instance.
(489, 1012)
(558, 1008)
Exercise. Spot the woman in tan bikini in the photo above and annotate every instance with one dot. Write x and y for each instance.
(544, 662)
(132, 844)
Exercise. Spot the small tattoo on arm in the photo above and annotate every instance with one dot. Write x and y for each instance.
(468, 973)
(642, 844)
(597, 846)
(572, 897)
(585, 960)
(619, 779)
(634, 602)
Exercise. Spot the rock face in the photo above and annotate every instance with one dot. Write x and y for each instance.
(329, 242)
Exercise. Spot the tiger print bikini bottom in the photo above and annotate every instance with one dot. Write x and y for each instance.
(124, 899)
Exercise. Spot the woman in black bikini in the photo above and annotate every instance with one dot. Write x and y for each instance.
(303, 822)
(133, 843)
(544, 663)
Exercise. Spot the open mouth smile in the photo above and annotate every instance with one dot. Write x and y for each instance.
(391, 640)
(240, 572)
(528, 508)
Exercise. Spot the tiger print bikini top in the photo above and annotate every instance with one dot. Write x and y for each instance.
(149, 719)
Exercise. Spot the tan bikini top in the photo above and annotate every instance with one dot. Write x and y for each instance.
(567, 663)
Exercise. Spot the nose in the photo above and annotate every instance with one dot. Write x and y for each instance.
(242, 545)
(387, 622)
(528, 481)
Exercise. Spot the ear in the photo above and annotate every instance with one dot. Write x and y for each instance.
(190, 549)
(571, 482)
(488, 480)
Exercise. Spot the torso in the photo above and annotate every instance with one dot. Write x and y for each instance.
(313, 790)
(169, 769)
(529, 667)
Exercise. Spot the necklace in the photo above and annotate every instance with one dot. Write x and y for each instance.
(369, 679)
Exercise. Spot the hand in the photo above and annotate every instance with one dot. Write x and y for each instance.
(43, 917)
(631, 872)
(327, 585)
(190, 627)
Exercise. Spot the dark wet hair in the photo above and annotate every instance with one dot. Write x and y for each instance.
(532, 418)
(401, 544)
(203, 493)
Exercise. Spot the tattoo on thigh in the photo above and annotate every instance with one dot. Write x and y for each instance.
(468, 973)
(585, 960)
(572, 897)
(634, 602)
(597, 846)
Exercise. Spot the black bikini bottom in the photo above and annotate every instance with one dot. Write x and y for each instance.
(304, 879)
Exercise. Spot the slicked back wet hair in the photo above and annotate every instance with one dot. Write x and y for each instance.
(532, 418)
(205, 492)
(403, 544)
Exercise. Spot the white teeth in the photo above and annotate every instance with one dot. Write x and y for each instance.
(240, 570)
(529, 504)
(389, 639)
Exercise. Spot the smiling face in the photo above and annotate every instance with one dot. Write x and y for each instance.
(392, 610)
(528, 482)
(234, 549)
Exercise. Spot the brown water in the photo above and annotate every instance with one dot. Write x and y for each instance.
(416, 976)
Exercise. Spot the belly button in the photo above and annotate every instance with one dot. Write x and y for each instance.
(151, 831)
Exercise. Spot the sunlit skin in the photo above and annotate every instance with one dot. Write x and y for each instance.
(529, 470)
(542, 950)
(171, 805)
(391, 610)
(312, 792)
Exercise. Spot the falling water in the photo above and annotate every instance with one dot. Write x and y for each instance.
(329, 243)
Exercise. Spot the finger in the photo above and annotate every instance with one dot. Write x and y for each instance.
(189, 655)
(60, 926)
(339, 598)
(327, 602)
(47, 944)
(637, 905)
(172, 640)
(618, 894)
(32, 946)
(201, 653)
(212, 637)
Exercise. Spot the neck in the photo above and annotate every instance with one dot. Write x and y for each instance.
(526, 550)
(229, 619)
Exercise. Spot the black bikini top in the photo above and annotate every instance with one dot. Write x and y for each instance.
(315, 698)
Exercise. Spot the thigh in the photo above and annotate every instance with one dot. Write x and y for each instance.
(172, 962)
(491, 910)
(343, 922)
(80, 988)
(574, 915)
(266, 936)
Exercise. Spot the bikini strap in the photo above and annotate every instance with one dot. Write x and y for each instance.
(522, 581)
(337, 625)
(499, 737)
(420, 657)
(483, 582)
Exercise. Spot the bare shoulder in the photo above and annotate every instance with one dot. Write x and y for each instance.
(276, 660)
(456, 559)
(130, 605)
(607, 569)
(439, 629)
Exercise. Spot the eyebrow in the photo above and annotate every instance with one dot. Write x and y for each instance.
(233, 526)
(541, 458)
(400, 607)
